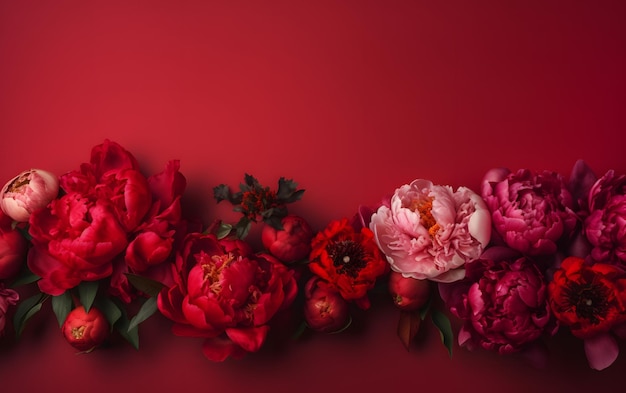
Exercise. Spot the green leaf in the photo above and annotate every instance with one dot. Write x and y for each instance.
(250, 181)
(221, 193)
(294, 197)
(25, 310)
(286, 187)
(27, 277)
(424, 310)
(223, 230)
(62, 305)
(87, 291)
(148, 308)
(110, 310)
(130, 335)
(144, 284)
(274, 222)
(445, 329)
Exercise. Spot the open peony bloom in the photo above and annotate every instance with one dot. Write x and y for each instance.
(27, 192)
(430, 231)
(532, 212)
(591, 301)
(502, 301)
(605, 227)
(226, 294)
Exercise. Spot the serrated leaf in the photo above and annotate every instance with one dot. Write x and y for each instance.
(221, 193)
(250, 181)
(286, 188)
(148, 308)
(110, 310)
(62, 305)
(408, 327)
(223, 230)
(294, 197)
(442, 322)
(144, 284)
(25, 310)
(87, 291)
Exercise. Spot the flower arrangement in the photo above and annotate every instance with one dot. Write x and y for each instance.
(106, 247)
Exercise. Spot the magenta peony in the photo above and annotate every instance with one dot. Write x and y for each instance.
(531, 212)
(27, 192)
(605, 226)
(226, 294)
(430, 231)
(503, 302)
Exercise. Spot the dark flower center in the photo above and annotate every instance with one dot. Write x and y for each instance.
(348, 257)
(257, 200)
(590, 300)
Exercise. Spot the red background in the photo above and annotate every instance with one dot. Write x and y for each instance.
(349, 98)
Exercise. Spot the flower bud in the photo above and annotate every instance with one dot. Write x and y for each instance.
(290, 244)
(324, 309)
(13, 248)
(408, 293)
(29, 191)
(8, 297)
(85, 330)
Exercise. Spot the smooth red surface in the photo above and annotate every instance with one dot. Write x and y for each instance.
(349, 98)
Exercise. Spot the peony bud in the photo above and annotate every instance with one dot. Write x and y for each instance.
(85, 330)
(13, 248)
(8, 297)
(324, 309)
(290, 244)
(29, 191)
(408, 293)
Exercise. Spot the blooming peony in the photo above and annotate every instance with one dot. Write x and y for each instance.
(502, 301)
(430, 231)
(225, 294)
(531, 212)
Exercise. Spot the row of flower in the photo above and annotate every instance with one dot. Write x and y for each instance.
(106, 247)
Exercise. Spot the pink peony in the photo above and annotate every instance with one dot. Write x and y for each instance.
(531, 212)
(430, 231)
(27, 192)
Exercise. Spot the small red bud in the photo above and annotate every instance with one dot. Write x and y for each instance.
(85, 330)
(408, 293)
(324, 308)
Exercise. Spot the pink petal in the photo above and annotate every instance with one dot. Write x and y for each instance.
(601, 351)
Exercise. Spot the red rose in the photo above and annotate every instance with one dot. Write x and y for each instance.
(324, 308)
(13, 248)
(589, 299)
(347, 259)
(85, 330)
(74, 240)
(290, 244)
(226, 294)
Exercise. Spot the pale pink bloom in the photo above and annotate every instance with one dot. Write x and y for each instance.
(430, 231)
(29, 191)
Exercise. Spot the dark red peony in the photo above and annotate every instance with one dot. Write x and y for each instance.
(349, 260)
(290, 244)
(408, 293)
(13, 248)
(226, 294)
(324, 308)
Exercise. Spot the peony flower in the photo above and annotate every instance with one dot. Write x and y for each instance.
(531, 212)
(8, 297)
(503, 303)
(290, 244)
(605, 226)
(591, 301)
(13, 248)
(225, 294)
(347, 259)
(324, 309)
(85, 330)
(27, 192)
(429, 231)
(408, 293)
